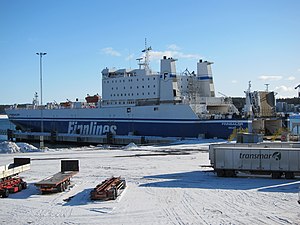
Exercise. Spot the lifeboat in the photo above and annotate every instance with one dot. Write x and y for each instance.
(92, 99)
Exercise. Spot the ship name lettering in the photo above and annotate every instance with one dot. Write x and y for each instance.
(232, 124)
(92, 128)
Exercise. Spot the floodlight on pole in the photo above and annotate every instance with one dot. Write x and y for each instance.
(41, 54)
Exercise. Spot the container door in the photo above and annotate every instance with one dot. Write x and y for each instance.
(219, 158)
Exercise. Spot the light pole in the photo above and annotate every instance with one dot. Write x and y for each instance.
(41, 104)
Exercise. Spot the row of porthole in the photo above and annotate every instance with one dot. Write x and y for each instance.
(128, 102)
(144, 87)
(131, 87)
(130, 80)
(129, 94)
(115, 103)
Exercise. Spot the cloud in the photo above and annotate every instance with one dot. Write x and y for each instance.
(270, 78)
(284, 88)
(129, 57)
(175, 54)
(110, 51)
(291, 78)
(234, 81)
(285, 91)
(174, 47)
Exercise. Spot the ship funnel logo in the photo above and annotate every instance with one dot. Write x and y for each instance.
(276, 155)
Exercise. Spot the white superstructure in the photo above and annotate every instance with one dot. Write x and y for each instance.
(130, 87)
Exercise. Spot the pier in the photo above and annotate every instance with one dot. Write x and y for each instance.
(85, 139)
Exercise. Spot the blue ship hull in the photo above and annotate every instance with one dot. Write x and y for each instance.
(143, 127)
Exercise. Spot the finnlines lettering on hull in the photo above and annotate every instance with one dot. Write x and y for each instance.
(93, 128)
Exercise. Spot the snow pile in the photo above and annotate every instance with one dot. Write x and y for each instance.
(12, 147)
(9, 147)
(25, 147)
(131, 146)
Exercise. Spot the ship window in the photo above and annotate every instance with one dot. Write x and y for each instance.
(118, 95)
(124, 87)
(148, 78)
(137, 79)
(112, 88)
(128, 110)
(154, 86)
(148, 86)
(143, 93)
(125, 94)
(148, 93)
(137, 87)
(142, 86)
(137, 93)
(153, 78)
(107, 81)
(121, 94)
(143, 79)
(130, 87)
(155, 108)
(154, 93)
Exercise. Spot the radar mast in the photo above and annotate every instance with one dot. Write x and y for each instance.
(146, 60)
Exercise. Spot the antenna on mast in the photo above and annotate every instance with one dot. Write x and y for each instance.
(146, 51)
(267, 87)
(249, 86)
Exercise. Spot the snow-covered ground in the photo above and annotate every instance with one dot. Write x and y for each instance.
(166, 185)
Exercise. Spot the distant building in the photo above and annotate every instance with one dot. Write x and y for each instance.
(288, 105)
(294, 124)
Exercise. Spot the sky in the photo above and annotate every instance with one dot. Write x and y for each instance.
(255, 41)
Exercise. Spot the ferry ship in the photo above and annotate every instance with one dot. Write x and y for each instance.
(141, 102)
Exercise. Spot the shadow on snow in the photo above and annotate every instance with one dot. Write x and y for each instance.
(81, 198)
(25, 193)
(209, 180)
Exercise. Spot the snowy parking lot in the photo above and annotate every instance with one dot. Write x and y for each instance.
(170, 184)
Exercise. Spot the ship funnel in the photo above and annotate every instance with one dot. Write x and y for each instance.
(205, 77)
(167, 65)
